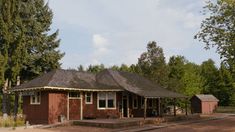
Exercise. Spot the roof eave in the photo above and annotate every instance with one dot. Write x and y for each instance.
(63, 89)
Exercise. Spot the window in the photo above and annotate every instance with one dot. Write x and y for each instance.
(36, 98)
(111, 99)
(106, 100)
(135, 102)
(88, 98)
(74, 95)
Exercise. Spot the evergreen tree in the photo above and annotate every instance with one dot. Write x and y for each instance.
(225, 90)
(26, 48)
(152, 64)
(96, 68)
(192, 80)
(176, 72)
(209, 74)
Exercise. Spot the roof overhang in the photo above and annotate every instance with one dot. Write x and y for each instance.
(62, 89)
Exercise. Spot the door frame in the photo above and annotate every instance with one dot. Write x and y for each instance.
(125, 95)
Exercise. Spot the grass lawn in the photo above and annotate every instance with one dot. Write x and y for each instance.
(225, 109)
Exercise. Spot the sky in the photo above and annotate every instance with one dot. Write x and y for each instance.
(115, 32)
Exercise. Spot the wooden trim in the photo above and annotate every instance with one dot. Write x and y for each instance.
(81, 106)
(145, 108)
(63, 88)
(68, 106)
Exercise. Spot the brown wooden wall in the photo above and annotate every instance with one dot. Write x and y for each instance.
(91, 111)
(36, 114)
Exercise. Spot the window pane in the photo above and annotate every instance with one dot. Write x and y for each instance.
(110, 103)
(33, 99)
(111, 95)
(102, 104)
(88, 99)
(102, 96)
(74, 94)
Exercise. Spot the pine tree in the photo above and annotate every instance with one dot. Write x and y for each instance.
(26, 48)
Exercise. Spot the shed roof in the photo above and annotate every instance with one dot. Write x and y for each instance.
(207, 97)
(103, 81)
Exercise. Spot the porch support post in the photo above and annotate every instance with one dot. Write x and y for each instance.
(174, 107)
(159, 106)
(186, 106)
(145, 107)
(68, 106)
(81, 107)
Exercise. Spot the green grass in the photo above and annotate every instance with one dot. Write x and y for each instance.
(225, 109)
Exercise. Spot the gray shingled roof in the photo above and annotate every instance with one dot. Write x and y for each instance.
(139, 85)
(106, 80)
(206, 97)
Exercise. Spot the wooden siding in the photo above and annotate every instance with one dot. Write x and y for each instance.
(36, 114)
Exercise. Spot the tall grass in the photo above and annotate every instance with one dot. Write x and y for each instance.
(9, 122)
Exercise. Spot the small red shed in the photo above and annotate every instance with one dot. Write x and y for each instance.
(204, 103)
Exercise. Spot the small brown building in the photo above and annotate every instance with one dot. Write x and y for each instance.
(81, 95)
(204, 103)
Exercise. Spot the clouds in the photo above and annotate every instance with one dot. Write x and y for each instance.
(100, 45)
(116, 32)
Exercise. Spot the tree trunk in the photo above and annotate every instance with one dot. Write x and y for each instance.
(4, 100)
(16, 103)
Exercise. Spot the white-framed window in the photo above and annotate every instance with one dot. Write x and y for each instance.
(74, 95)
(135, 102)
(88, 97)
(106, 100)
(36, 98)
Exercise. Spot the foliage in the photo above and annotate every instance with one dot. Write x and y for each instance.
(225, 90)
(191, 80)
(176, 72)
(95, 68)
(218, 29)
(28, 47)
(209, 73)
(152, 64)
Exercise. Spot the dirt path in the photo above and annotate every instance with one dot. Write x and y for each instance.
(221, 125)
